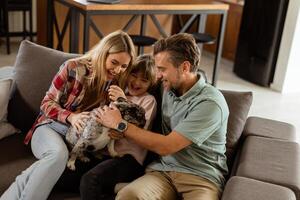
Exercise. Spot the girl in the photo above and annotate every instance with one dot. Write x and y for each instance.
(78, 87)
(99, 182)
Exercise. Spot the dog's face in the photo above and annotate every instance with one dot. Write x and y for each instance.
(131, 112)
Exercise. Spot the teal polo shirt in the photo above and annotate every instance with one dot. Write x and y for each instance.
(199, 115)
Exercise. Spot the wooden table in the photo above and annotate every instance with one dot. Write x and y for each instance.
(196, 8)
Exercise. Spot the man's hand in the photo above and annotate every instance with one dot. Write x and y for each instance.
(114, 92)
(109, 116)
(115, 135)
(76, 119)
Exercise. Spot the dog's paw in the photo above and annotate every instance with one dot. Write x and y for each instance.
(71, 165)
(84, 159)
(113, 154)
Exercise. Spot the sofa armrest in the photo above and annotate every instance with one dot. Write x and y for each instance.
(256, 126)
(6, 71)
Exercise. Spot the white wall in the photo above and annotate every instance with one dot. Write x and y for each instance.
(287, 74)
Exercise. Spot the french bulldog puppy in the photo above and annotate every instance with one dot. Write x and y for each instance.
(94, 136)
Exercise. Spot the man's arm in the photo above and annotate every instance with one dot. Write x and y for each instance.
(160, 144)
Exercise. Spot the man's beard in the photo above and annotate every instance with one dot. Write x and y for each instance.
(175, 87)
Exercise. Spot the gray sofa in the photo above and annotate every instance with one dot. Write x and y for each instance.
(263, 157)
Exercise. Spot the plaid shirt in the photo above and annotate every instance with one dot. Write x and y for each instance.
(64, 95)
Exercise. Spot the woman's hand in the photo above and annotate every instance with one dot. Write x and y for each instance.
(76, 119)
(114, 92)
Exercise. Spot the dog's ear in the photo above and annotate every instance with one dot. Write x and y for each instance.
(121, 99)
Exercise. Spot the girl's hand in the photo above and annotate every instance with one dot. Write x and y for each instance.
(76, 120)
(114, 92)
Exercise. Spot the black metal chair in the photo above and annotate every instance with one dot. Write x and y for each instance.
(7, 6)
(201, 38)
(142, 41)
(204, 38)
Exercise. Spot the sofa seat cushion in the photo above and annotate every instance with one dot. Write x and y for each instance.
(269, 128)
(238, 188)
(273, 161)
(15, 157)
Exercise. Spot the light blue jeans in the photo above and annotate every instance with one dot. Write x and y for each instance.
(37, 181)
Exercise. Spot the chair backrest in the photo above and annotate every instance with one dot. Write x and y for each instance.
(16, 5)
(18, 1)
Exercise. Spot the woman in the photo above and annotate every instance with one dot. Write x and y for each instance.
(79, 86)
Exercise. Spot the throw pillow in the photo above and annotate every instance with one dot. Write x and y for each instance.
(6, 83)
(35, 68)
(239, 105)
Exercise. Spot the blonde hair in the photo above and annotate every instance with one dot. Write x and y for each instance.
(144, 64)
(115, 42)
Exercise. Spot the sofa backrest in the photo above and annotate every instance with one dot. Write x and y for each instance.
(35, 67)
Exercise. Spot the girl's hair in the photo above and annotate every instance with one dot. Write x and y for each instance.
(115, 42)
(145, 65)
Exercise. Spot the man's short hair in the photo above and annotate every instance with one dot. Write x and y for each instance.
(181, 47)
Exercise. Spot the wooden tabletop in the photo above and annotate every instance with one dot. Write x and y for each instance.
(151, 5)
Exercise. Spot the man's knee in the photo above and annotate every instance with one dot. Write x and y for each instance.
(129, 193)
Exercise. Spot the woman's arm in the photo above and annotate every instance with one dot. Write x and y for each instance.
(51, 104)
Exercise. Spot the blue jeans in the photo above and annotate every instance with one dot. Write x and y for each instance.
(37, 181)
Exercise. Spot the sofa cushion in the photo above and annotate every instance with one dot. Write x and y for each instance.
(35, 67)
(238, 188)
(15, 157)
(273, 161)
(239, 105)
(258, 126)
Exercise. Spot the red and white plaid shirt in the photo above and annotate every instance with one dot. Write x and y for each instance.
(64, 95)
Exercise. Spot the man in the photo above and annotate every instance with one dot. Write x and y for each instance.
(194, 122)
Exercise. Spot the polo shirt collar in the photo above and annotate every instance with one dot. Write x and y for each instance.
(198, 86)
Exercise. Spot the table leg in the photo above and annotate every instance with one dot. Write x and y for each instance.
(50, 23)
(86, 32)
(219, 48)
(74, 32)
(201, 26)
(142, 32)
